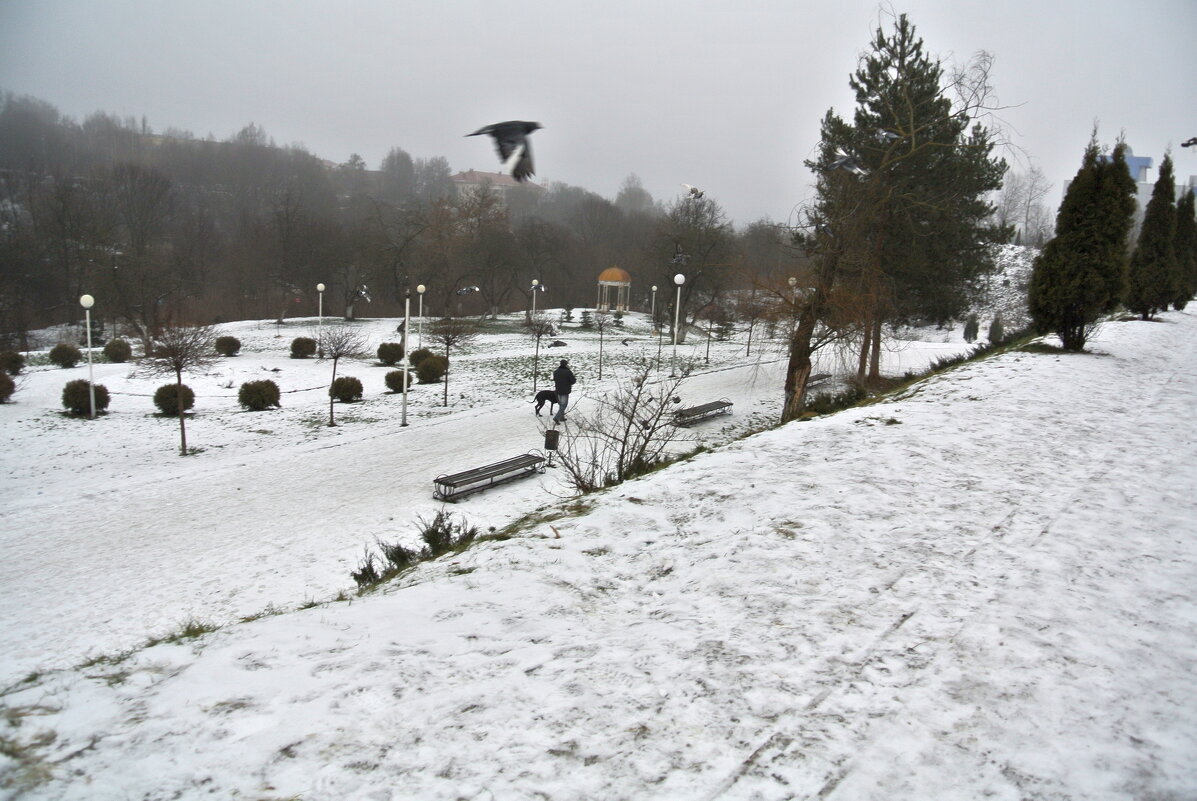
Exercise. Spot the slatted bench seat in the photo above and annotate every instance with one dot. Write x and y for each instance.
(693, 414)
(451, 487)
(816, 379)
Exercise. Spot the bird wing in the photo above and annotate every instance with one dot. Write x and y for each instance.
(523, 169)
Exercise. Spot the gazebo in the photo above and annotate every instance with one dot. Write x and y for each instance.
(619, 280)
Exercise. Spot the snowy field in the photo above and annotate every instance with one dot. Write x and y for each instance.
(980, 588)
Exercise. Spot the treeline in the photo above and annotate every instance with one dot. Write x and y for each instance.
(1095, 265)
(169, 229)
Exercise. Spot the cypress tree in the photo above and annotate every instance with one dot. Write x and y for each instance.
(1153, 281)
(1118, 195)
(1076, 277)
(1186, 250)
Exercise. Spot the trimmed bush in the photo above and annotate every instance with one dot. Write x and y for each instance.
(12, 362)
(66, 355)
(996, 330)
(394, 381)
(118, 351)
(258, 396)
(77, 400)
(228, 346)
(419, 355)
(166, 398)
(303, 347)
(432, 369)
(971, 328)
(7, 386)
(346, 389)
(390, 353)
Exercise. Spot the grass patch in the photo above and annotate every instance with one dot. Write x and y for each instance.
(1041, 347)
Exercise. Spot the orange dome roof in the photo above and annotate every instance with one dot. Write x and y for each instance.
(615, 275)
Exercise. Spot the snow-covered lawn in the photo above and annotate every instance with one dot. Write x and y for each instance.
(980, 588)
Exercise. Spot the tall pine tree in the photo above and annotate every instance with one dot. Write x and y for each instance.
(1153, 280)
(1186, 250)
(1079, 274)
(917, 224)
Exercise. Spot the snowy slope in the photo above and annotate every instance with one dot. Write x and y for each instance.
(982, 588)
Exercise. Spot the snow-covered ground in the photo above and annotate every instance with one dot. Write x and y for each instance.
(980, 588)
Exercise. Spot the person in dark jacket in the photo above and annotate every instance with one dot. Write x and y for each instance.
(563, 382)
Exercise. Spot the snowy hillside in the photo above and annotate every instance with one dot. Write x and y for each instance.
(980, 588)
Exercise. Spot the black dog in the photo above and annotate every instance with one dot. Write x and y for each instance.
(545, 396)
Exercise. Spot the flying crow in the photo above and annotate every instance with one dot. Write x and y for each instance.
(511, 140)
(1190, 142)
(695, 192)
(848, 163)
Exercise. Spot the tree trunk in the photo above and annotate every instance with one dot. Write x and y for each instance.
(875, 356)
(179, 408)
(799, 367)
(331, 420)
(866, 339)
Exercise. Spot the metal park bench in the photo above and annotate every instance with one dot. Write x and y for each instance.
(452, 487)
(692, 414)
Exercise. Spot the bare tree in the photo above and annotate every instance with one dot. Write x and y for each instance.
(602, 322)
(626, 435)
(452, 333)
(175, 350)
(538, 326)
(340, 342)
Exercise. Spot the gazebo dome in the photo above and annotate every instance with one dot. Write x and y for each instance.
(615, 275)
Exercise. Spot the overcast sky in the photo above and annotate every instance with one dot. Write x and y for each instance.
(724, 95)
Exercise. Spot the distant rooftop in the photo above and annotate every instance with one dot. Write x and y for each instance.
(473, 177)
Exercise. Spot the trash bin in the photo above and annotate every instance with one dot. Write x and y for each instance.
(550, 439)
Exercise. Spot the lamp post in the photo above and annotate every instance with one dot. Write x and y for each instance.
(87, 301)
(536, 287)
(420, 325)
(678, 279)
(656, 327)
(710, 336)
(320, 319)
(406, 317)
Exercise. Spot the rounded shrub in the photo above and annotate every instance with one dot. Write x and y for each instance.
(11, 362)
(971, 328)
(394, 380)
(997, 331)
(303, 347)
(346, 389)
(7, 386)
(118, 351)
(228, 346)
(77, 400)
(65, 355)
(420, 354)
(166, 398)
(432, 369)
(390, 353)
(258, 396)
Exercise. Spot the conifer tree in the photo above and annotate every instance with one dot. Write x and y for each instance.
(1080, 272)
(1153, 280)
(910, 220)
(1186, 250)
(1118, 195)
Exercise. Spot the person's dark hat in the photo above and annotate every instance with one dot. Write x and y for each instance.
(564, 362)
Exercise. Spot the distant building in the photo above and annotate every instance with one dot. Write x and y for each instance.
(473, 181)
(1138, 167)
